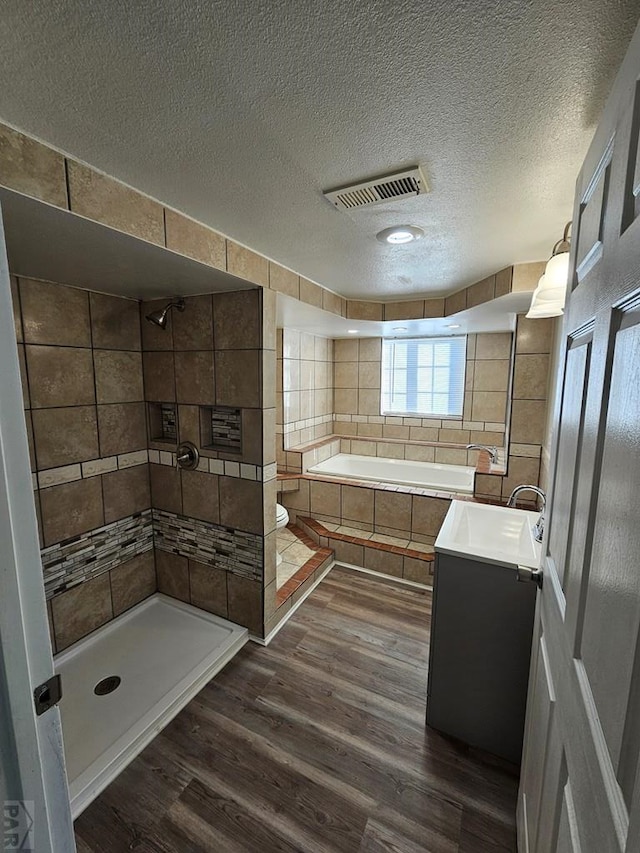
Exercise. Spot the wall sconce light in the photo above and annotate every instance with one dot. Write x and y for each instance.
(549, 296)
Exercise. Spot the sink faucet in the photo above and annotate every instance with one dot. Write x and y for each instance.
(538, 527)
(492, 451)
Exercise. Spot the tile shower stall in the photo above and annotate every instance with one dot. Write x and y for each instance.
(107, 398)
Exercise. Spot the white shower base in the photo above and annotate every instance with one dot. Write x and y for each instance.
(164, 651)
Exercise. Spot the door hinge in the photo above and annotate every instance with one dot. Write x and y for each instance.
(47, 694)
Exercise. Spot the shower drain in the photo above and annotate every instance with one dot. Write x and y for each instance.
(107, 685)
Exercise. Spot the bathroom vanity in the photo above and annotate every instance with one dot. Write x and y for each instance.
(482, 626)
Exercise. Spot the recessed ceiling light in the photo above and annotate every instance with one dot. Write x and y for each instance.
(453, 326)
(399, 234)
(399, 329)
(352, 331)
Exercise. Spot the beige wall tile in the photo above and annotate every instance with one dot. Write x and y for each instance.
(365, 310)
(530, 377)
(126, 492)
(450, 456)
(493, 346)
(455, 302)
(488, 484)
(345, 374)
(419, 453)
(368, 401)
(64, 436)
(81, 610)
(453, 436)
(173, 575)
(347, 552)
(393, 431)
(194, 378)
(132, 582)
(390, 450)
(428, 515)
(385, 562)
(521, 470)
(238, 378)
(115, 322)
(200, 496)
(245, 599)
(417, 570)
(343, 402)
(237, 320)
(191, 238)
(491, 375)
(153, 337)
(535, 336)
(166, 489)
(106, 200)
(489, 406)
(434, 308)
(298, 499)
(241, 504)
(310, 292)
(325, 498)
(503, 282)
(60, 376)
(368, 430)
(525, 277)
(54, 314)
(346, 350)
(284, 280)
(269, 303)
(528, 420)
(423, 433)
(118, 376)
(70, 509)
(193, 327)
(486, 437)
(208, 588)
(32, 168)
(481, 291)
(334, 303)
(369, 374)
(121, 428)
(392, 509)
(409, 310)
(247, 264)
(159, 376)
(357, 504)
(370, 349)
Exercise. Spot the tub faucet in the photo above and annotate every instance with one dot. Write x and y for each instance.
(538, 527)
(492, 451)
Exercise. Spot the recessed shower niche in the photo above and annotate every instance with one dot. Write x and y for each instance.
(163, 422)
(221, 428)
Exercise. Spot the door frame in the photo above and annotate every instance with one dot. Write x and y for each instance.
(31, 748)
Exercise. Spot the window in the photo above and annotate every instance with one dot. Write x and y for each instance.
(424, 377)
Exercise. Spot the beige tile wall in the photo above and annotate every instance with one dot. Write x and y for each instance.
(304, 410)
(357, 369)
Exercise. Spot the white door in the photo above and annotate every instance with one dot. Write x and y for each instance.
(580, 785)
(33, 785)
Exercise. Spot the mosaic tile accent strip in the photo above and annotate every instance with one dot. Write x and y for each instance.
(84, 557)
(169, 426)
(223, 547)
(226, 429)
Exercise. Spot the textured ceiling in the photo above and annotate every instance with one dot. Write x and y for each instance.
(241, 113)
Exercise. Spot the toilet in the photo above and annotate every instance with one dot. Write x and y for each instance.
(282, 519)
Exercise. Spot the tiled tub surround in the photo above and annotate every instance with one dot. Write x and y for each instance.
(304, 400)
(357, 371)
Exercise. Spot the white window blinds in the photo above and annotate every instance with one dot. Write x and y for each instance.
(424, 377)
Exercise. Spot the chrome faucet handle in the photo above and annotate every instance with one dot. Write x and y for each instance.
(492, 451)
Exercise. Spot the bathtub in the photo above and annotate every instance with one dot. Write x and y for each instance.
(457, 479)
(164, 652)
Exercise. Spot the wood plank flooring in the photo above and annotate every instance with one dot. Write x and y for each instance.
(316, 744)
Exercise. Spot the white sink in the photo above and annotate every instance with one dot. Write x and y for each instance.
(491, 534)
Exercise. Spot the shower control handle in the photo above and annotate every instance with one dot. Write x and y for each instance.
(187, 456)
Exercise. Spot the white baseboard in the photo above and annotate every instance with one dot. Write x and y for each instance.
(266, 640)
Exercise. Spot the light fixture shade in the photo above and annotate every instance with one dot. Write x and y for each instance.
(556, 273)
(549, 303)
(539, 312)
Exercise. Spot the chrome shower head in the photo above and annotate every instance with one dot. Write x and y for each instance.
(159, 318)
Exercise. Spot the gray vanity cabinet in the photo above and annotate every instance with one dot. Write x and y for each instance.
(479, 656)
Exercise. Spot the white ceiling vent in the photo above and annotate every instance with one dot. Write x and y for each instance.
(410, 182)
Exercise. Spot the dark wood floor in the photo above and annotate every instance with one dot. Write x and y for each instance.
(315, 744)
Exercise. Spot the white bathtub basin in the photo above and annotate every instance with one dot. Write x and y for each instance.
(492, 534)
(426, 475)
